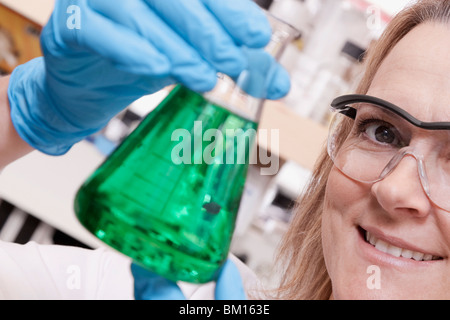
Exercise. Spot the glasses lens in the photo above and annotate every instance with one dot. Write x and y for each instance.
(369, 145)
(367, 141)
(438, 173)
(374, 137)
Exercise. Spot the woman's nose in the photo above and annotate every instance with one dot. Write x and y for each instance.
(401, 191)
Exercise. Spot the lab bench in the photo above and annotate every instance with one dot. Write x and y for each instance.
(45, 186)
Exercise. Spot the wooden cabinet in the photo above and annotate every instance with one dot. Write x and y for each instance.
(19, 39)
(21, 23)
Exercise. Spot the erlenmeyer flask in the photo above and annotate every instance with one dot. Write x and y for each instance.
(168, 195)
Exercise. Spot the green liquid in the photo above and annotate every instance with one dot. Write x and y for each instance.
(174, 219)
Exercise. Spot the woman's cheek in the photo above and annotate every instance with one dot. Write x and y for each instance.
(343, 205)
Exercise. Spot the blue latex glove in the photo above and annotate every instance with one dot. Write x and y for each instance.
(149, 286)
(101, 55)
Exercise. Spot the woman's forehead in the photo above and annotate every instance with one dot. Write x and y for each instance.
(416, 73)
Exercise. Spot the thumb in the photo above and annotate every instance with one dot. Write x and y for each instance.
(150, 286)
(229, 285)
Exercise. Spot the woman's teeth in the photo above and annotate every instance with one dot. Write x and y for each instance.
(396, 251)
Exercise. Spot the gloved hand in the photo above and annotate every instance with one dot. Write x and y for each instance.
(149, 286)
(101, 55)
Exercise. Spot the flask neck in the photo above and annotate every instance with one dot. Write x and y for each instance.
(245, 95)
(229, 94)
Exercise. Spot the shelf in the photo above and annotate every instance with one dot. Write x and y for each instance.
(300, 139)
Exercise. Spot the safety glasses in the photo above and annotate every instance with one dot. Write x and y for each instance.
(380, 135)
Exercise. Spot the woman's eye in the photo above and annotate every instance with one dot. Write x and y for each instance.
(382, 134)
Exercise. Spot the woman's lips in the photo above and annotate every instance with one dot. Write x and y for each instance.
(391, 250)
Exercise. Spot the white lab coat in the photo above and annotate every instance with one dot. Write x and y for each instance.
(34, 271)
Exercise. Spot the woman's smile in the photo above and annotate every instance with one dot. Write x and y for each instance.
(389, 250)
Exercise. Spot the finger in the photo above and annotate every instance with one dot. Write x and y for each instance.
(229, 284)
(127, 50)
(264, 77)
(201, 29)
(150, 286)
(279, 83)
(243, 20)
(187, 65)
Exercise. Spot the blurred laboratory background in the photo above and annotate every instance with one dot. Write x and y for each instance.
(37, 191)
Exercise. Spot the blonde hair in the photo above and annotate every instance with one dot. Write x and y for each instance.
(300, 256)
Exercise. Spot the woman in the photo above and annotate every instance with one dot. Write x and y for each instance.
(356, 237)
